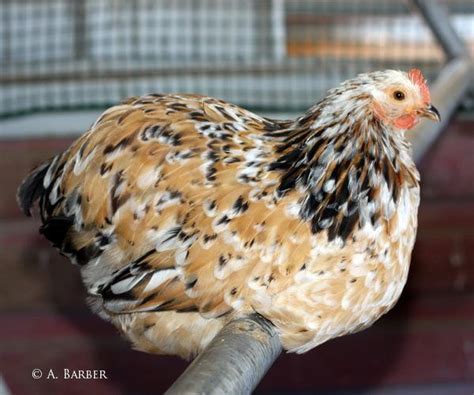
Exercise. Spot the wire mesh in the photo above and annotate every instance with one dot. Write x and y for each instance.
(269, 55)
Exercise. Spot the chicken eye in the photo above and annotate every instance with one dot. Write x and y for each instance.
(398, 95)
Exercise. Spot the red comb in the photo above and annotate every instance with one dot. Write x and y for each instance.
(417, 78)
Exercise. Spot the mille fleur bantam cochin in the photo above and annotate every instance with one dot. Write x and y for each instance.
(184, 212)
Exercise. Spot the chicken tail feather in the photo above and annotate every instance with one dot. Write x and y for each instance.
(31, 188)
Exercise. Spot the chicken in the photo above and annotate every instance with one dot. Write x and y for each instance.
(184, 212)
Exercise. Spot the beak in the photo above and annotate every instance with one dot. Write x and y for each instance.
(430, 112)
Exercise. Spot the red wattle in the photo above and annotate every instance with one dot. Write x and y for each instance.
(405, 122)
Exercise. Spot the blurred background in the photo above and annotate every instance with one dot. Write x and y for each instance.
(62, 62)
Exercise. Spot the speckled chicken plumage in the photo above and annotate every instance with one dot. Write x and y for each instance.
(185, 211)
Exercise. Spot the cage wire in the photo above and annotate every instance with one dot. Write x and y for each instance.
(267, 55)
